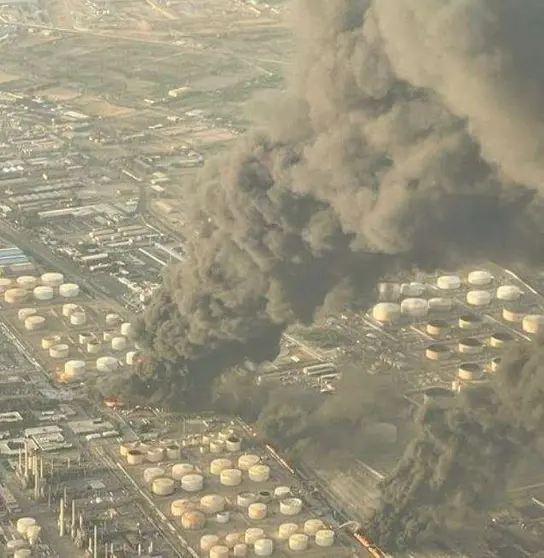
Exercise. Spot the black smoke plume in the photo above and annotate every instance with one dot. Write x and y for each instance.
(408, 132)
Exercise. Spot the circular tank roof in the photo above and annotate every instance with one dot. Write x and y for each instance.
(470, 342)
(470, 318)
(443, 324)
(438, 348)
(471, 367)
(502, 336)
(439, 392)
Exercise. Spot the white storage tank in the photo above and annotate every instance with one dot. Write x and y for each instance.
(239, 550)
(15, 544)
(52, 279)
(163, 486)
(500, 339)
(469, 321)
(59, 351)
(245, 499)
(113, 320)
(479, 298)
(230, 477)
(126, 329)
(312, 526)
(152, 473)
(74, 368)
(22, 553)
(85, 336)
(298, 542)
(179, 507)
(207, 542)
(5, 283)
(180, 470)
(448, 282)
(78, 318)
(388, 292)
(25, 313)
(131, 357)
(480, 278)
(193, 521)
(291, 506)
(437, 328)
(257, 511)
(413, 289)
(69, 309)
(15, 295)
(108, 335)
(135, 457)
(259, 473)
(43, 293)
(155, 455)
(233, 443)
(107, 364)
(212, 503)
(253, 534)
(24, 523)
(509, 293)
(324, 538)
(285, 530)
(93, 347)
(173, 451)
(414, 307)
(69, 290)
(386, 312)
(281, 492)
(470, 346)
(470, 372)
(219, 551)
(219, 465)
(512, 315)
(264, 547)
(495, 364)
(232, 539)
(217, 446)
(34, 323)
(27, 282)
(440, 304)
(125, 447)
(222, 517)
(119, 343)
(248, 460)
(192, 483)
(533, 324)
(49, 341)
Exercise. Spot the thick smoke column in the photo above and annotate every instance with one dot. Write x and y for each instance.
(408, 132)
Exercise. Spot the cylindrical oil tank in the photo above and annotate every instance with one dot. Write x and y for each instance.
(257, 511)
(480, 278)
(119, 343)
(495, 363)
(173, 451)
(5, 283)
(248, 460)
(52, 279)
(440, 304)
(448, 282)
(285, 530)
(414, 307)
(78, 318)
(43, 292)
(59, 351)
(509, 293)
(74, 368)
(179, 507)
(259, 473)
(130, 359)
(25, 313)
(85, 336)
(69, 309)
(219, 551)
(291, 506)
(298, 542)
(49, 341)
(281, 492)
(219, 465)
(479, 298)
(212, 503)
(324, 538)
(15, 544)
(437, 328)
(386, 312)
(233, 443)
(245, 499)
(93, 346)
(192, 483)
(135, 457)
(264, 496)
(24, 523)
(413, 289)
(512, 315)
(16, 295)
(470, 346)
(437, 352)
(230, 477)
(240, 550)
(163, 486)
(469, 321)
(193, 521)
(207, 542)
(152, 473)
(500, 339)
(27, 282)
(253, 534)
(217, 446)
(533, 324)
(442, 397)
(388, 292)
(22, 553)
(125, 447)
(69, 290)
(113, 320)
(107, 364)
(232, 539)
(312, 526)
(126, 329)
(222, 517)
(34, 323)
(264, 547)
(155, 455)
(469, 372)
(108, 335)
(180, 470)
